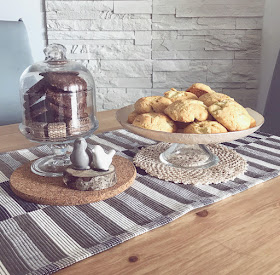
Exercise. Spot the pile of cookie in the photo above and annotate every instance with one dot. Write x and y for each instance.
(55, 107)
(198, 110)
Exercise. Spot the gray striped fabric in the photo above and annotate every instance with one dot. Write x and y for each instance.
(41, 239)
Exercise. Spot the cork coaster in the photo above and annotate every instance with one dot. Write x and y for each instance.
(53, 191)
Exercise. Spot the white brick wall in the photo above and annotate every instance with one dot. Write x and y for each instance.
(144, 47)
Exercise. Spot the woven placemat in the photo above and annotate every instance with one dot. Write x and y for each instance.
(230, 165)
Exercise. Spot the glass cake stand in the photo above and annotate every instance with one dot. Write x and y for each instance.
(188, 150)
(58, 106)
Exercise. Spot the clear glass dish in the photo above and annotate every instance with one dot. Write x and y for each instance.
(59, 105)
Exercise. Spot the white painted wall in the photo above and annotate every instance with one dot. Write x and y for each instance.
(32, 14)
(270, 49)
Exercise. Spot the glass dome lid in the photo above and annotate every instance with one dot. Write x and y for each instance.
(58, 99)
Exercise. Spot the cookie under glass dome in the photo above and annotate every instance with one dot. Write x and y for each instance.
(58, 99)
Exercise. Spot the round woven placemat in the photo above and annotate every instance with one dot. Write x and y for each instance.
(231, 165)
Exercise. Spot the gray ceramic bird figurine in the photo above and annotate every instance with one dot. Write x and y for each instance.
(100, 159)
(81, 156)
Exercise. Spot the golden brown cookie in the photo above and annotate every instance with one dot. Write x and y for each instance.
(205, 127)
(155, 121)
(210, 98)
(231, 115)
(174, 95)
(132, 116)
(150, 104)
(199, 89)
(253, 122)
(187, 110)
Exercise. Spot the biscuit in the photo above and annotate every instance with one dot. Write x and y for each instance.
(39, 130)
(132, 116)
(231, 115)
(253, 122)
(49, 116)
(34, 93)
(65, 81)
(210, 98)
(35, 110)
(67, 99)
(78, 126)
(174, 95)
(187, 110)
(67, 113)
(155, 121)
(205, 127)
(199, 89)
(57, 130)
(151, 104)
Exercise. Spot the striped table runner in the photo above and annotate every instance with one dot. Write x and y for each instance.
(41, 239)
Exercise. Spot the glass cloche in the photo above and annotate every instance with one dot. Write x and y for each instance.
(59, 105)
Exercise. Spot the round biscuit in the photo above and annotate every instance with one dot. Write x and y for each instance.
(187, 110)
(155, 121)
(199, 89)
(205, 127)
(151, 104)
(132, 116)
(174, 95)
(210, 98)
(231, 115)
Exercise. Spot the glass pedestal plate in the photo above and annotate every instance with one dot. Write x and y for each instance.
(54, 165)
(188, 151)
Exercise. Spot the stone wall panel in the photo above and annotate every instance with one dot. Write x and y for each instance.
(137, 48)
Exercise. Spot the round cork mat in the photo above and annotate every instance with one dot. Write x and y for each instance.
(53, 191)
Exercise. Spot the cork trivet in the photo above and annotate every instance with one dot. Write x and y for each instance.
(53, 191)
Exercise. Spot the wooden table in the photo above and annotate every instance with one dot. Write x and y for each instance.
(239, 235)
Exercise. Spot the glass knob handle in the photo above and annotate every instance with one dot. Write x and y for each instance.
(55, 52)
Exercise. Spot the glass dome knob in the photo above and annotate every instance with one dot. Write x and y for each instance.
(55, 52)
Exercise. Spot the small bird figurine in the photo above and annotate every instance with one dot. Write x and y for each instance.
(81, 156)
(100, 159)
